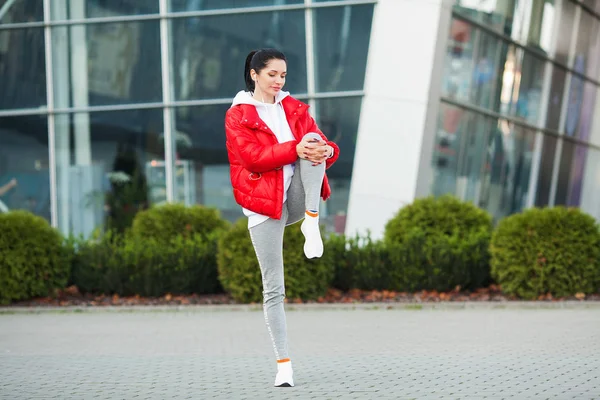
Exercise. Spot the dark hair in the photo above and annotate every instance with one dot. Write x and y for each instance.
(257, 60)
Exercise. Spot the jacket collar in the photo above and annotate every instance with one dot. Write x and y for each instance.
(292, 107)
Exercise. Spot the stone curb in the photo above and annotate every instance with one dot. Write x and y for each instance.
(447, 305)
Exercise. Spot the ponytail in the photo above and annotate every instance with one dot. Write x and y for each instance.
(247, 68)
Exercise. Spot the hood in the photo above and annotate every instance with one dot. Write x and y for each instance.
(244, 97)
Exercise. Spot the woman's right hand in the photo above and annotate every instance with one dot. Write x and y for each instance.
(314, 150)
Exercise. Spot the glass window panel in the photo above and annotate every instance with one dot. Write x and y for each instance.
(555, 99)
(564, 172)
(588, 106)
(587, 51)
(24, 159)
(209, 52)
(482, 160)
(530, 88)
(109, 167)
(546, 169)
(591, 184)
(22, 11)
(338, 119)
(341, 44)
(108, 63)
(595, 127)
(202, 166)
(80, 9)
(199, 5)
(22, 68)
(565, 31)
(498, 15)
(541, 24)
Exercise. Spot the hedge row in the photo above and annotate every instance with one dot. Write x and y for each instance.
(432, 244)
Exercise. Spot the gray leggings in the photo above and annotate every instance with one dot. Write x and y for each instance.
(267, 238)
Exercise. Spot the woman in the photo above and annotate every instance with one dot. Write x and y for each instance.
(277, 157)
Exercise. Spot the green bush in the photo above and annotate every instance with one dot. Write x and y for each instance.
(240, 275)
(360, 262)
(439, 243)
(130, 264)
(33, 259)
(550, 250)
(169, 220)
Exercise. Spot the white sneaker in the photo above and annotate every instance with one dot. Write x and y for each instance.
(285, 375)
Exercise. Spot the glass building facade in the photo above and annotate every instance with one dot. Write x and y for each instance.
(111, 106)
(519, 119)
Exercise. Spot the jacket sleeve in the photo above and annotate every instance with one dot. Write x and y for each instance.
(254, 156)
(312, 127)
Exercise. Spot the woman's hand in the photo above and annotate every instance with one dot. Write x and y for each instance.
(314, 150)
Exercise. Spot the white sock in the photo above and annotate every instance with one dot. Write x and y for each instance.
(285, 374)
(313, 246)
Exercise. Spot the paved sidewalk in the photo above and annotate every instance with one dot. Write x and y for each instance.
(349, 354)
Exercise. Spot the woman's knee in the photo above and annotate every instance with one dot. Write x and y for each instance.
(312, 135)
(274, 295)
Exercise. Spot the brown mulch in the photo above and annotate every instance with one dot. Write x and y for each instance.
(71, 296)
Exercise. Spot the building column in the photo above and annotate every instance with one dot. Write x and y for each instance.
(399, 110)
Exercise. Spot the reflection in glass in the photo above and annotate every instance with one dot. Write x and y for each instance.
(555, 98)
(22, 68)
(202, 166)
(22, 11)
(588, 45)
(210, 52)
(24, 166)
(565, 31)
(564, 172)
(112, 8)
(546, 170)
(107, 168)
(482, 160)
(591, 178)
(338, 119)
(199, 5)
(595, 126)
(342, 37)
(108, 63)
(530, 88)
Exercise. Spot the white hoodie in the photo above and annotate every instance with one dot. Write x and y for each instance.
(274, 116)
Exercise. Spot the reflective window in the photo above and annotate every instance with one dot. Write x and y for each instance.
(546, 170)
(555, 98)
(595, 125)
(342, 36)
(587, 51)
(24, 165)
(22, 68)
(112, 63)
(109, 167)
(80, 9)
(483, 160)
(564, 173)
(590, 181)
(202, 166)
(530, 88)
(565, 31)
(210, 52)
(338, 119)
(198, 5)
(21, 11)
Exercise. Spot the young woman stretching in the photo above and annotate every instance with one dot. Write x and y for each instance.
(278, 156)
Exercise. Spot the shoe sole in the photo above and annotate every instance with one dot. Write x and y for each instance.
(284, 385)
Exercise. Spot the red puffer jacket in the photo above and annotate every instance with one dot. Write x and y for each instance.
(256, 157)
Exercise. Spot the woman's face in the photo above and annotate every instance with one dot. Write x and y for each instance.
(270, 79)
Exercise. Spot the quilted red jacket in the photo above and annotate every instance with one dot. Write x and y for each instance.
(256, 158)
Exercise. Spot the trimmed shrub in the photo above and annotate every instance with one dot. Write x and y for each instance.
(438, 244)
(33, 259)
(360, 262)
(128, 265)
(169, 220)
(549, 250)
(240, 275)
